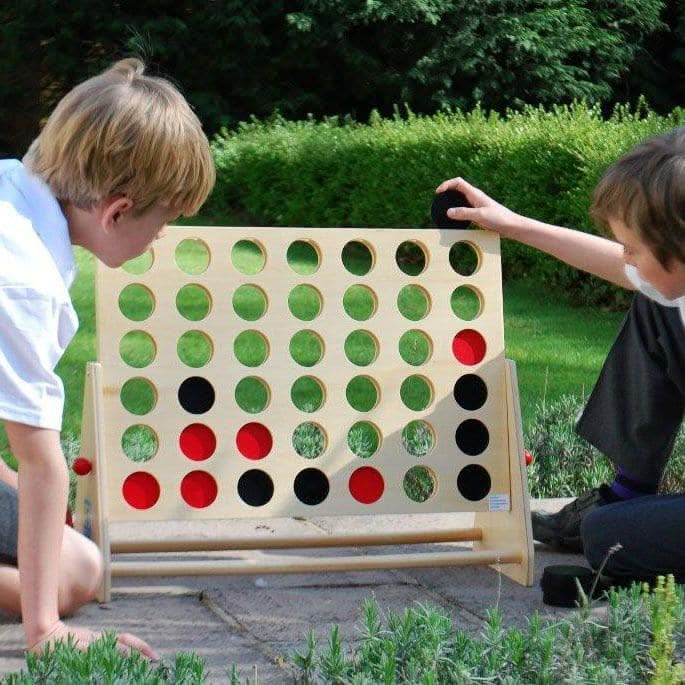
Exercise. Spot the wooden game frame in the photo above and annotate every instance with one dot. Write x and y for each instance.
(501, 538)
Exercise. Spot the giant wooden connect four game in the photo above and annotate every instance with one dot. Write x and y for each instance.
(284, 372)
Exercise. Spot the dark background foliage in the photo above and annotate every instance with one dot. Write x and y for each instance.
(235, 58)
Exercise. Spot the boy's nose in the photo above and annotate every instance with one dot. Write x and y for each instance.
(162, 232)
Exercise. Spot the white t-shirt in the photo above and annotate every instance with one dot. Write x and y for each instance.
(37, 318)
(646, 289)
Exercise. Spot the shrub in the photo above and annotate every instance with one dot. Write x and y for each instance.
(542, 163)
(566, 465)
(294, 56)
(101, 662)
(636, 641)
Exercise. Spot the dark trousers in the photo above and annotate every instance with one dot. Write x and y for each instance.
(633, 416)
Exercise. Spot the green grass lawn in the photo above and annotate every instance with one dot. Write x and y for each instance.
(558, 348)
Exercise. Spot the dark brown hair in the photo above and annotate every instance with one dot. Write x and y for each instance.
(645, 189)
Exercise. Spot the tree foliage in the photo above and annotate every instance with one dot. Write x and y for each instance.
(236, 59)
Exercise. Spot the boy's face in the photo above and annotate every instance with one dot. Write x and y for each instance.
(669, 282)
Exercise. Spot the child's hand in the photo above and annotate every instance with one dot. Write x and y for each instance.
(82, 637)
(484, 211)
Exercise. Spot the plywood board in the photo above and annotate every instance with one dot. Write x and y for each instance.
(171, 485)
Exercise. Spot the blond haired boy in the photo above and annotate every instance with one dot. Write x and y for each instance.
(636, 408)
(121, 155)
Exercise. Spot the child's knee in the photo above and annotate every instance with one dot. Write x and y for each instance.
(92, 568)
(595, 542)
(83, 570)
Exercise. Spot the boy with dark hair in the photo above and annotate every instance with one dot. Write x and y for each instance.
(636, 408)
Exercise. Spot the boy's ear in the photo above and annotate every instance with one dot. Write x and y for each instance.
(111, 211)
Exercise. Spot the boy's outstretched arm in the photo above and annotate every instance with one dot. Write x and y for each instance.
(594, 254)
(43, 485)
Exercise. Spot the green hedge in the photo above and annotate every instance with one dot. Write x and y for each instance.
(342, 173)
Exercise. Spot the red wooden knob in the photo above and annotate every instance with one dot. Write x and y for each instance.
(528, 456)
(81, 466)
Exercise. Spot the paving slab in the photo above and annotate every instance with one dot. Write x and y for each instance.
(171, 620)
(256, 621)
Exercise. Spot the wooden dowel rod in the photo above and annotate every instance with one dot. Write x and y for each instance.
(194, 544)
(299, 564)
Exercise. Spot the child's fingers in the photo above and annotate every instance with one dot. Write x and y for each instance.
(129, 641)
(474, 196)
(450, 184)
(464, 214)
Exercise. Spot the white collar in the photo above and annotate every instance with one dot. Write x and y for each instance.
(43, 210)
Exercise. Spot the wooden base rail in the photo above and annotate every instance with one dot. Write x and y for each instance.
(299, 564)
(195, 544)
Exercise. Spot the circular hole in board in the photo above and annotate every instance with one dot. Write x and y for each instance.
(305, 302)
(141, 490)
(309, 440)
(473, 482)
(137, 349)
(193, 302)
(248, 257)
(416, 392)
(249, 302)
(252, 394)
(360, 302)
(307, 394)
(416, 348)
(361, 348)
(364, 439)
(311, 486)
(254, 441)
(251, 348)
(306, 348)
(411, 257)
(255, 488)
(366, 485)
(197, 442)
(136, 302)
(140, 264)
(470, 392)
(362, 393)
(199, 489)
(413, 302)
(138, 396)
(192, 256)
(419, 483)
(466, 303)
(195, 349)
(139, 443)
(196, 395)
(464, 258)
(418, 438)
(357, 257)
(472, 437)
(303, 257)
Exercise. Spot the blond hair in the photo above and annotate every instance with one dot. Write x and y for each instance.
(645, 189)
(124, 133)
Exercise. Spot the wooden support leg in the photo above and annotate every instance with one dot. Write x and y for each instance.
(90, 514)
(513, 527)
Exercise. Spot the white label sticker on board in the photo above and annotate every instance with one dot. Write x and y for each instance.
(499, 503)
